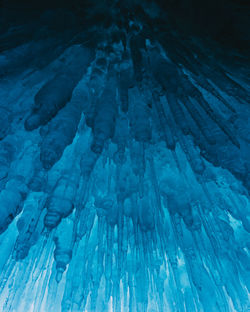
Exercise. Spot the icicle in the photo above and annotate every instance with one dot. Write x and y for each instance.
(168, 136)
(125, 82)
(201, 80)
(11, 199)
(5, 120)
(54, 95)
(104, 122)
(61, 131)
(219, 121)
(28, 225)
(146, 215)
(6, 156)
(64, 243)
(137, 45)
(61, 202)
(140, 123)
(177, 112)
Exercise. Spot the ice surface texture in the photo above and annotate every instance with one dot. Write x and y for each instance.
(124, 171)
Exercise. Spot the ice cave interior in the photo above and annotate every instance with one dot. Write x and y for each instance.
(124, 156)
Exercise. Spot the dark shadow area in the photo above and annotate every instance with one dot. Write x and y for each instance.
(226, 22)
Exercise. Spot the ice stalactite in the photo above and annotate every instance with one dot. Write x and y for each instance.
(124, 167)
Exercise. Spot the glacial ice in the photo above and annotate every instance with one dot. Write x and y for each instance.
(124, 175)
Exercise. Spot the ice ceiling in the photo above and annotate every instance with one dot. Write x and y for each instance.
(124, 157)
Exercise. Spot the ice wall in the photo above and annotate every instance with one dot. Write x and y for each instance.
(124, 173)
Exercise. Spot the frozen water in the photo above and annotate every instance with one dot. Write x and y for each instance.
(124, 175)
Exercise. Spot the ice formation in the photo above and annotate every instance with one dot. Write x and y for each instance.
(124, 168)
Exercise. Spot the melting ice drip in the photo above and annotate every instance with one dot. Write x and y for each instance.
(124, 176)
